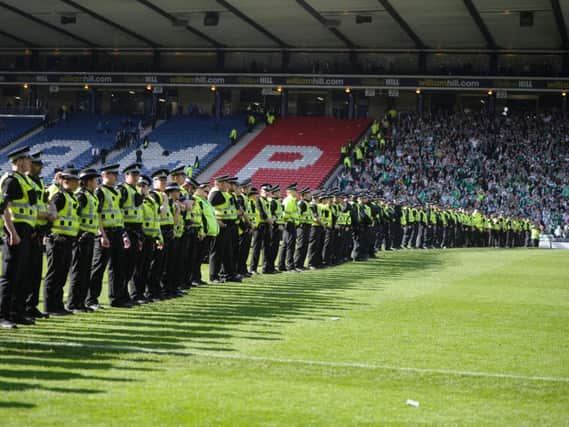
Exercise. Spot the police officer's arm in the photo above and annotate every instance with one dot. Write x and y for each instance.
(11, 190)
(105, 243)
(216, 198)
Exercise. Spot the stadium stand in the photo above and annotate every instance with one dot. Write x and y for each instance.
(179, 140)
(12, 128)
(70, 141)
(512, 164)
(295, 149)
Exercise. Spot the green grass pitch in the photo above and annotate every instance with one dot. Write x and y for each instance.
(477, 337)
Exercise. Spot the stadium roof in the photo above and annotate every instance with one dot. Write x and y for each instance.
(276, 24)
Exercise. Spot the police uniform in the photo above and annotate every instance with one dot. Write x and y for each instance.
(303, 230)
(210, 231)
(275, 231)
(291, 219)
(222, 251)
(315, 239)
(36, 242)
(18, 192)
(131, 206)
(260, 239)
(152, 238)
(245, 227)
(82, 256)
(113, 224)
(59, 246)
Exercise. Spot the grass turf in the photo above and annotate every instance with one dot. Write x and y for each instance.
(478, 337)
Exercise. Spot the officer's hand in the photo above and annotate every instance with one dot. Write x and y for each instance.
(281, 227)
(159, 246)
(14, 239)
(105, 243)
(221, 224)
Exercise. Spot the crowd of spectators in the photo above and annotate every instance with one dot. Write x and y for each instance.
(512, 164)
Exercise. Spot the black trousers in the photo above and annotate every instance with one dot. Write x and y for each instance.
(315, 241)
(222, 252)
(170, 270)
(259, 243)
(59, 250)
(301, 249)
(36, 269)
(192, 249)
(14, 278)
(81, 261)
(287, 247)
(243, 253)
(113, 256)
(140, 285)
(155, 274)
(357, 240)
(184, 255)
(276, 236)
(130, 255)
(199, 252)
(327, 242)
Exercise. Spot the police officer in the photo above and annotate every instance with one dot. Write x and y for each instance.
(131, 206)
(82, 258)
(158, 265)
(45, 214)
(291, 218)
(260, 239)
(109, 248)
(20, 198)
(209, 232)
(276, 231)
(170, 281)
(245, 226)
(222, 251)
(60, 243)
(186, 239)
(152, 241)
(303, 229)
(315, 238)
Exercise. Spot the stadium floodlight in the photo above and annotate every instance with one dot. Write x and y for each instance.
(563, 93)
(347, 90)
(26, 86)
(418, 91)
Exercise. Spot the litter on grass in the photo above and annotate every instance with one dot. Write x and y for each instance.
(334, 318)
(413, 403)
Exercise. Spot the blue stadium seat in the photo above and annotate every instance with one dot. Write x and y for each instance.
(15, 127)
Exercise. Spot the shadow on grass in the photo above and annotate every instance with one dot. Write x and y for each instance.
(209, 318)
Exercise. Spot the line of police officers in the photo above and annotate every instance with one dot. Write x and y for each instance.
(152, 234)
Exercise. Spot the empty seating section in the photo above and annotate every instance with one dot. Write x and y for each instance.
(12, 128)
(179, 140)
(70, 141)
(295, 149)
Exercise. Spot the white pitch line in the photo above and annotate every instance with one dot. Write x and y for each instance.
(244, 357)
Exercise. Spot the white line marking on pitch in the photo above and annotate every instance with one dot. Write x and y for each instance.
(245, 357)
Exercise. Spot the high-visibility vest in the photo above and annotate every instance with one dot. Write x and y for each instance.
(226, 210)
(195, 215)
(265, 203)
(253, 213)
(89, 216)
(291, 210)
(151, 219)
(316, 207)
(325, 215)
(131, 214)
(343, 218)
(403, 218)
(166, 216)
(67, 221)
(51, 190)
(21, 211)
(111, 214)
(209, 214)
(41, 205)
(278, 213)
(233, 134)
(306, 216)
(179, 225)
(367, 211)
